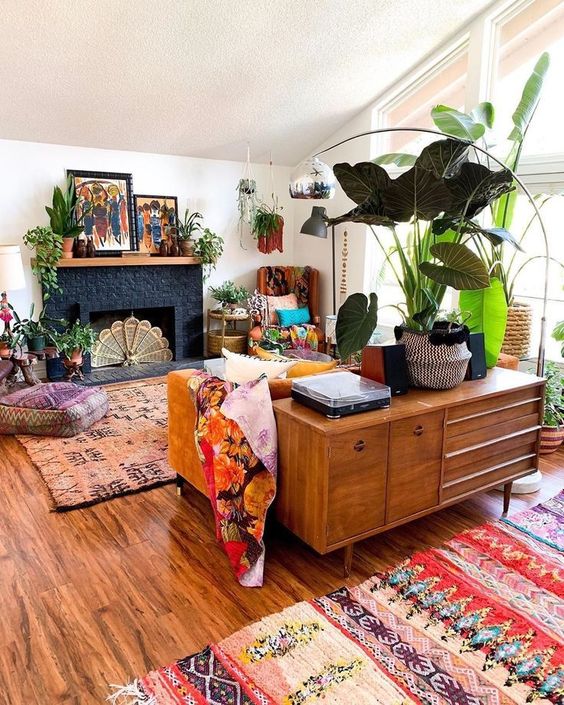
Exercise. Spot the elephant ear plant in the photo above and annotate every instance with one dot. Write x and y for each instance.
(439, 198)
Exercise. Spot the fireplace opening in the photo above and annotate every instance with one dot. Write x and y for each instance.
(130, 337)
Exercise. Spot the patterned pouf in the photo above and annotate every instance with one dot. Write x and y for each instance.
(53, 409)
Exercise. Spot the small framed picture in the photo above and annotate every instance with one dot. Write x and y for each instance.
(105, 204)
(156, 219)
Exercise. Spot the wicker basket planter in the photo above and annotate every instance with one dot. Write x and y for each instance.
(551, 439)
(233, 340)
(436, 360)
(517, 340)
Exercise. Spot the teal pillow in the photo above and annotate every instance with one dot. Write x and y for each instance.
(293, 316)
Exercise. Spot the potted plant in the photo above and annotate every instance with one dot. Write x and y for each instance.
(228, 295)
(37, 333)
(209, 248)
(186, 230)
(268, 226)
(63, 216)
(48, 247)
(75, 341)
(6, 344)
(558, 334)
(438, 198)
(552, 432)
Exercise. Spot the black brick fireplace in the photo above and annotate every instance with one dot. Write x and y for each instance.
(169, 293)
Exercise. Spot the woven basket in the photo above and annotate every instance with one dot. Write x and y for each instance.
(551, 439)
(517, 340)
(432, 366)
(234, 340)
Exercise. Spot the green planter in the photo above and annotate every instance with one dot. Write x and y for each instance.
(36, 343)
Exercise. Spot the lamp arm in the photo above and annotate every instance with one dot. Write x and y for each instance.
(425, 130)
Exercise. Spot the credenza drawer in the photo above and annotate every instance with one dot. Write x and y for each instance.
(491, 432)
(490, 476)
(469, 464)
(457, 415)
(493, 417)
(478, 455)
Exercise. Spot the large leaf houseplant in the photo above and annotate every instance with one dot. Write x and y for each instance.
(438, 199)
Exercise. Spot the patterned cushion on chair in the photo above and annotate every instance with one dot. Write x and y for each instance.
(53, 409)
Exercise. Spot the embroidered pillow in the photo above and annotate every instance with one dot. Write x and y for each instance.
(240, 369)
(275, 303)
(293, 316)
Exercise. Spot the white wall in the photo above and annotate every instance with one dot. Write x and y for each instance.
(30, 170)
(317, 252)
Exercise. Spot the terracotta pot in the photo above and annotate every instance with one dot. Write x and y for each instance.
(5, 350)
(255, 336)
(186, 248)
(68, 244)
(76, 356)
(551, 439)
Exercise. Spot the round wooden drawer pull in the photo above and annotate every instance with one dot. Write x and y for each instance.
(358, 446)
(418, 430)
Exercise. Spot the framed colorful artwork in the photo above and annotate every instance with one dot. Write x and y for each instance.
(155, 217)
(105, 200)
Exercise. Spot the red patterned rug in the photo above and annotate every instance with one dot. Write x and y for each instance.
(478, 621)
(124, 452)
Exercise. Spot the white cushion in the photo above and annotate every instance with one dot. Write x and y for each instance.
(240, 369)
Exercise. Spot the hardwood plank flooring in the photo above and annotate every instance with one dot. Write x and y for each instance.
(97, 596)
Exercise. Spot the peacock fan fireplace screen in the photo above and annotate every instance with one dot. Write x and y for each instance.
(130, 342)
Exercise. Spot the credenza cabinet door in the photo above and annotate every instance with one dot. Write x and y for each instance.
(414, 465)
(356, 492)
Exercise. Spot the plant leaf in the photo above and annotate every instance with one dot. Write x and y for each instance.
(461, 268)
(484, 114)
(529, 99)
(369, 213)
(397, 158)
(475, 187)
(443, 157)
(488, 309)
(356, 321)
(497, 236)
(361, 181)
(416, 192)
(453, 122)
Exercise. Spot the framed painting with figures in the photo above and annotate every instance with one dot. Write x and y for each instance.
(105, 203)
(156, 219)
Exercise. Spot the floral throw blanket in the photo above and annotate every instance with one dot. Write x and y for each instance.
(236, 438)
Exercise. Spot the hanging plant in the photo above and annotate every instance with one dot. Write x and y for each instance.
(247, 198)
(268, 228)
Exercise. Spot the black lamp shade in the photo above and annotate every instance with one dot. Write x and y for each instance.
(315, 225)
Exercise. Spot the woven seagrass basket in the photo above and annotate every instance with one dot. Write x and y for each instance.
(432, 366)
(517, 340)
(234, 340)
(551, 439)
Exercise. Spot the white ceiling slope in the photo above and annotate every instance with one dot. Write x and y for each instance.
(203, 77)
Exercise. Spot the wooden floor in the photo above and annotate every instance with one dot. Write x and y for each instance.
(96, 596)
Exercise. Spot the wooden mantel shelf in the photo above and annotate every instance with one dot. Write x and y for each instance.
(126, 261)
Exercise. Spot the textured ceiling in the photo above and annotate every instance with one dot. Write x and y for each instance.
(201, 78)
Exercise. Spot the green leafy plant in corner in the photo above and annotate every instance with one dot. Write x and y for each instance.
(228, 293)
(42, 327)
(553, 399)
(79, 336)
(190, 225)
(48, 247)
(209, 248)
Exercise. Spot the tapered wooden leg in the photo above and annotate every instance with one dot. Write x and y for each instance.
(348, 558)
(506, 497)
(179, 484)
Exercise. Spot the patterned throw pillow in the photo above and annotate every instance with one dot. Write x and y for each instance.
(294, 316)
(240, 369)
(275, 303)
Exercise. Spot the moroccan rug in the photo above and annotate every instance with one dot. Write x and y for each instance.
(124, 452)
(478, 621)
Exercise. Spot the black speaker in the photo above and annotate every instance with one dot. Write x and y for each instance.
(386, 364)
(477, 366)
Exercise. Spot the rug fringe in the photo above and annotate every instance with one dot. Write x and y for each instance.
(130, 694)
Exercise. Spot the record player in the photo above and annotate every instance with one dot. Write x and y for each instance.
(339, 394)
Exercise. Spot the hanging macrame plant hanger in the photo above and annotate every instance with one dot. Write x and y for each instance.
(273, 238)
(247, 198)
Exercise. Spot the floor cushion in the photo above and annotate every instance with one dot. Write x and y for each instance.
(53, 409)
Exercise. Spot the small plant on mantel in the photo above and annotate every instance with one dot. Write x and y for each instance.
(187, 228)
(48, 247)
(209, 248)
(63, 215)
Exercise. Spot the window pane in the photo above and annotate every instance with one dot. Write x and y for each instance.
(521, 40)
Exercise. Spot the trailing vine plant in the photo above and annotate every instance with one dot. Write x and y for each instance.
(48, 248)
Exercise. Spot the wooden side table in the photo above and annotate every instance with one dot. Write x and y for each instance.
(227, 335)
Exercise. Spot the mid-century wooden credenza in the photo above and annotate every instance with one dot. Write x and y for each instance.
(343, 480)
